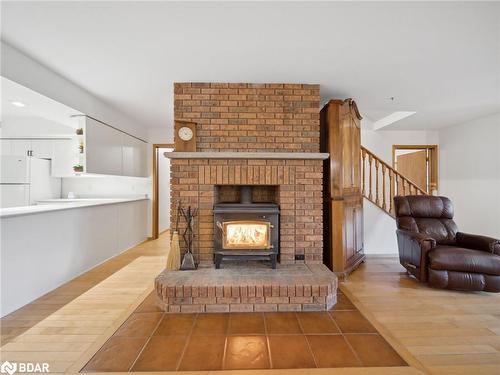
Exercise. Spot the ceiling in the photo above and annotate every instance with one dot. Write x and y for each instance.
(439, 59)
(36, 107)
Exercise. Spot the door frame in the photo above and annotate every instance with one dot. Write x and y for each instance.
(156, 197)
(433, 162)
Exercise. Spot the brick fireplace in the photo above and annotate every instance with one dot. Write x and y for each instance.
(266, 137)
(256, 118)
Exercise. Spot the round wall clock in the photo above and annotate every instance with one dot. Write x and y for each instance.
(185, 136)
(185, 133)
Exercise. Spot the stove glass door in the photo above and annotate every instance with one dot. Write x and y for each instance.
(246, 234)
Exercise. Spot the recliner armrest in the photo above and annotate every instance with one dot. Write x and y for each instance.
(419, 237)
(476, 242)
(413, 249)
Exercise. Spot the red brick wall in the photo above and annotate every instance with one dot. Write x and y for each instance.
(299, 197)
(251, 117)
(246, 117)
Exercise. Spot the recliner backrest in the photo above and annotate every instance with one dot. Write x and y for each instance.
(426, 214)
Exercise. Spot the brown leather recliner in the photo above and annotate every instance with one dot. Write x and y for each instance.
(434, 251)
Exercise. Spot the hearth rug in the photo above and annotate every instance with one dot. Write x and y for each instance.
(152, 340)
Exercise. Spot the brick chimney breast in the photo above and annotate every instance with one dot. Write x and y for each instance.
(261, 118)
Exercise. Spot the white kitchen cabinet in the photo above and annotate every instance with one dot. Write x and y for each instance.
(5, 147)
(20, 147)
(103, 148)
(42, 148)
(15, 195)
(15, 147)
(134, 156)
(64, 157)
(113, 152)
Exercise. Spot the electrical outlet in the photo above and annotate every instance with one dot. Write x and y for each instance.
(300, 257)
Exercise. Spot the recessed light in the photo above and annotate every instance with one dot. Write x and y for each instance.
(18, 104)
(392, 118)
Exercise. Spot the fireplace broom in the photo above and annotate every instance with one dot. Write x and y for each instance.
(174, 255)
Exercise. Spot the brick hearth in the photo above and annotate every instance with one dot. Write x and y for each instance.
(243, 288)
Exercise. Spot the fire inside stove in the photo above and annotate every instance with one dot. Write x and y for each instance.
(246, 235)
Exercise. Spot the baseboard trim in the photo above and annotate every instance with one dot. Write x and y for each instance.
(388, 255)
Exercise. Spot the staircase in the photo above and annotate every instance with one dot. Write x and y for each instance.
(380, 182)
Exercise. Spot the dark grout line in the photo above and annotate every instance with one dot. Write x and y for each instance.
(267, 341)
(307, 341)
(188, 339)
(223, 365)
(147, 341)
(345, 339)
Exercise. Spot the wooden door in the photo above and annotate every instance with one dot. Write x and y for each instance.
(355, 149)
(353, 229)
(413, 165)
(350, 150)
(358, 227)
(347, 143)
(349, 232)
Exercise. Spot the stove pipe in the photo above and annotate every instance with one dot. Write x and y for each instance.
(246, 195)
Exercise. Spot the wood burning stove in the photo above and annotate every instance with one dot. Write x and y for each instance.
(246, 230)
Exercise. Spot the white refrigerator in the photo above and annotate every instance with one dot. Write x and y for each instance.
(25, 179)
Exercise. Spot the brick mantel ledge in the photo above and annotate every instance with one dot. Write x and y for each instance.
(248, 155)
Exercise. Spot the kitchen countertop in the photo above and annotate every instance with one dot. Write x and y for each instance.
(49, 205)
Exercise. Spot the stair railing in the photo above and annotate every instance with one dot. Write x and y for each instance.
(380, 182)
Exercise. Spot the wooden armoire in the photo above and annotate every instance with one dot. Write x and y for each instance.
(343, 201)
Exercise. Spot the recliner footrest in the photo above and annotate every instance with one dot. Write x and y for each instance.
(464, 281)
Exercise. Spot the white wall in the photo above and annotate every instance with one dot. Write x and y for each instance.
(95, 186)
(28, 72)
(86, 186)
(380, 142)
(164, 190)
(380, 228)
(161, 134)
(379, 231)
(470, 173)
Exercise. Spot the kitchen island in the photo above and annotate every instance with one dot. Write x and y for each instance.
(46, 245)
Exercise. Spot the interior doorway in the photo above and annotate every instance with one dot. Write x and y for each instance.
(419, 164)
(161, 189)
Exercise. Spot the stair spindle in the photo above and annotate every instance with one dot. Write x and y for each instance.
(377, 200)
(370, 195)
(391, 190)
(363, 172)
(384, 206)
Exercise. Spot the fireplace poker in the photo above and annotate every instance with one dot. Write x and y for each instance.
(188, 262)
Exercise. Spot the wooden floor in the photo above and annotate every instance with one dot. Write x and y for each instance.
(445, 331)
(438, 331)
(26, 317)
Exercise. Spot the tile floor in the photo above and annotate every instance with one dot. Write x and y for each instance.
(153, 341)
